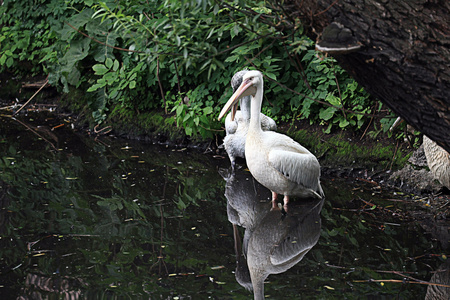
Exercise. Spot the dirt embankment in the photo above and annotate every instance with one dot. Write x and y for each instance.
(363, 154)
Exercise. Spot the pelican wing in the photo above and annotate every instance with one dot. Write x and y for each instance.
(297, 164)
(302, 235)
(267, 123)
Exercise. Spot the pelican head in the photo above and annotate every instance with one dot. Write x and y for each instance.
(247, 88)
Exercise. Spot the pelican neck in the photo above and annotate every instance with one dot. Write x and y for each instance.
(255, 107)
(245, 107)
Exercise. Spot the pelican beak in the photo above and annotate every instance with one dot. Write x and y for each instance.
(233, 101)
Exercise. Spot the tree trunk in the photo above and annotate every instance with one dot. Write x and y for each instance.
(404, 58)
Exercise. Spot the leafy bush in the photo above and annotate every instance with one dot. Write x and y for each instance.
(150, 55)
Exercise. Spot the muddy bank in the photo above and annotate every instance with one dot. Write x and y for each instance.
(383, 161)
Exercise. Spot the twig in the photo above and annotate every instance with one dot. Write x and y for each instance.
(31, 98)
(33, 131)
(442, 206)
(160, 85)
(325, 10)
(370, 122)
(104, 130)
(7, 107)
(393, 157)
(339, 91)
(57, 126)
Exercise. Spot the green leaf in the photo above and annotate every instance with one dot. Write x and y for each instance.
(9, 62)
(180, 110)
(95, 87)
(116, 65)
(327, 114)
(108, 63)
(271, 76)
(100, 69)
(343, 123)
(207, 110)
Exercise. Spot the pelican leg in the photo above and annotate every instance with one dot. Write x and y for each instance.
(274, 201)
(285, 201)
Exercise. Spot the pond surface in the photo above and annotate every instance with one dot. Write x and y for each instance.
(102, 217)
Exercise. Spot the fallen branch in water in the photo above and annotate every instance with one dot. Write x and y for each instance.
(33, 131)
(31, 98)
(104, 130)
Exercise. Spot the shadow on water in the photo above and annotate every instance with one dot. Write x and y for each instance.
(111, 218)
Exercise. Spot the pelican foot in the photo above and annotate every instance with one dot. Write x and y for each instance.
(275, 205)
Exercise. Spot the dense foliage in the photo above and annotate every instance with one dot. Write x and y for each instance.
(178, 56)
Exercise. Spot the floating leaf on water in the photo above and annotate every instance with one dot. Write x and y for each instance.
(141, 162)
(382, 283)
(329, 287)
(71, 178)
(220, 282)
(125, 148)
(193, 228)
(39, 254)
(134, 156)
(444, 256)
(373, 207)
(217, 268)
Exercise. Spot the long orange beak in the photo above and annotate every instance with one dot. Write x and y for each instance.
(233, 101)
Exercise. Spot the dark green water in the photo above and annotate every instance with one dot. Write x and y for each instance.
(105, 218)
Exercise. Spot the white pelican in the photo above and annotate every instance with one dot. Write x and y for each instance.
(275, 160)
(236, 128)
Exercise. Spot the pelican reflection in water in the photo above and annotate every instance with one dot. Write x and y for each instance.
(273, 242)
